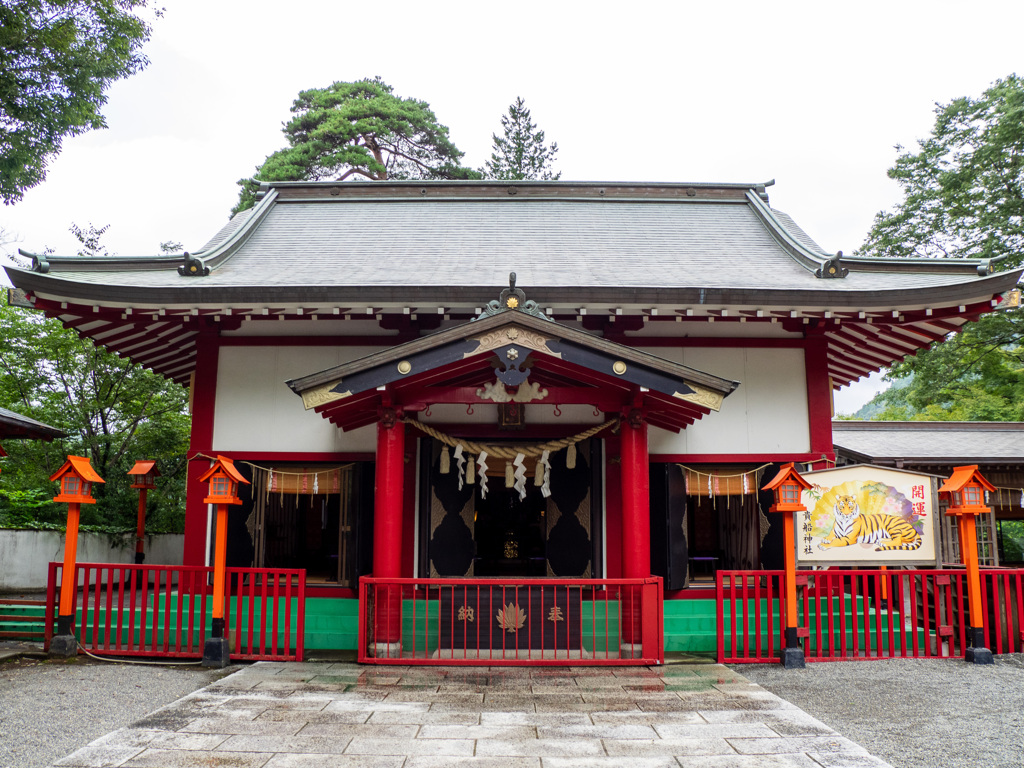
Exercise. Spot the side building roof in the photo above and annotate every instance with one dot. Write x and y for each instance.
(920, 443)
(14, 425)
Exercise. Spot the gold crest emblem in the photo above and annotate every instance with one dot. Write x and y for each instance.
(511, 617)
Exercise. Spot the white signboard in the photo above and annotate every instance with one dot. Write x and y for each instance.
(865, 515)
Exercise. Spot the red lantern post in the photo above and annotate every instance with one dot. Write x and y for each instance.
(76, 479)
(223, 479)
(144, 473)
(966, 492)
(787, 487)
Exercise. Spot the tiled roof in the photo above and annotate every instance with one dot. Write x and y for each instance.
(937, 442)
(582, 243)
(654, 252)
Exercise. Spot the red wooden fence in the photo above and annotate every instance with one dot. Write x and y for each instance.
(514, 622)
(866, 614)
(163, 610)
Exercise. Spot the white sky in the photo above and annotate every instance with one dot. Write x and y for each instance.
(812, 94)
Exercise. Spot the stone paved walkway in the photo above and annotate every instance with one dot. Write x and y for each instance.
(279, 715)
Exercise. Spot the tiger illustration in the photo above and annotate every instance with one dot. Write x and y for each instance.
(887, 531)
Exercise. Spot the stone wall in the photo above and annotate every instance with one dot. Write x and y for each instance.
(25, 555)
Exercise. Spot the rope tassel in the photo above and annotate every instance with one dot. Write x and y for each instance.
(570, 457)
(510, 477)
(471, 471)
(446, 461)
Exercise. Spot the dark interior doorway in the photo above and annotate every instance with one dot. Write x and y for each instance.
(510, 532)
(307, 532)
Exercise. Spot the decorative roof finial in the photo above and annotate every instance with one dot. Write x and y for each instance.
(832, 268)
(512, 298)
(192, 267)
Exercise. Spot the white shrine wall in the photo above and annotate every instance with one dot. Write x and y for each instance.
(257, 412)
(767, 413)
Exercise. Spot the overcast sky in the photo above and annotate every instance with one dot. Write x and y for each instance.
(814, 95)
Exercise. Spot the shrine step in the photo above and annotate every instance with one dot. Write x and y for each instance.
(331, 623)
(22, 619)
(691, 626)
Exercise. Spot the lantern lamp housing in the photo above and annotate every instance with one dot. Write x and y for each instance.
(966, 491)
(76, 479)
(787, 485)
(144, 474)
(223, 478)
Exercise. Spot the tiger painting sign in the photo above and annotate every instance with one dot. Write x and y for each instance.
(864, 514)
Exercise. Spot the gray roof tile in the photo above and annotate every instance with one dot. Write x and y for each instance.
(932, 442)
(554, 243)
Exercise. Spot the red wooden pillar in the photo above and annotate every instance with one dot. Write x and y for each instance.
(636, 525)
(203, 406)
(819, 398)
(387, 533)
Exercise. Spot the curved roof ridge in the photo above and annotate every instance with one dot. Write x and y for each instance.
(800, 253)
(44, 262)
(225, 249)
(815, 262)
(758, 186)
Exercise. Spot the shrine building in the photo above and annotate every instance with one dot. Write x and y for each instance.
(404, 408)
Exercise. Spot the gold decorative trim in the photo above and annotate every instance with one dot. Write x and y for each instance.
(314, 397)
(526, 393)
(702, 396)
(512, 334)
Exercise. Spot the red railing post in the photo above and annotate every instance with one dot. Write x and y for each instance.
(720, 613)
(51, 605)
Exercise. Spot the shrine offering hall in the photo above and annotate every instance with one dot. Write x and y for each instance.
(490, 384)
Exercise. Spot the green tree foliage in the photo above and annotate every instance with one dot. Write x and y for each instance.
(521, 153)
(57, 59)
(359, 129)
(976, 375)
(963, 191)
(110, 408)
(963, 197)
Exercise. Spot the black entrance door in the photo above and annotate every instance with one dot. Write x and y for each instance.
(511, 532)
(464, 534)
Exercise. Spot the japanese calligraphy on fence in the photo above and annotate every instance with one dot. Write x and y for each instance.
(865, 514)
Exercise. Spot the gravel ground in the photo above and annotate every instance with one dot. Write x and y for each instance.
(49, 709)
(914, 713)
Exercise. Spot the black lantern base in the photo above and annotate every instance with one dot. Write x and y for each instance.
(792, 654)
(978, 653)
(64, 643)
(65, 646)
(216, 653)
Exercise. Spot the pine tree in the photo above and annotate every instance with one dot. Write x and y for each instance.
(521, 153)
(359, 130)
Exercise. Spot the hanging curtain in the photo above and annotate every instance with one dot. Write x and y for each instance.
(710, 480)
